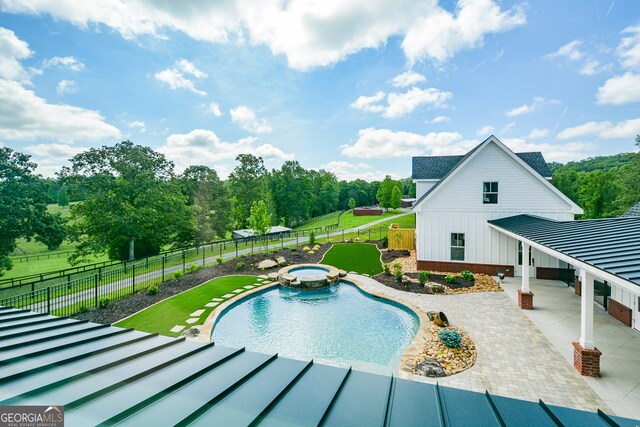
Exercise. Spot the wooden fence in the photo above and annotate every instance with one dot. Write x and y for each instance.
(401, 238)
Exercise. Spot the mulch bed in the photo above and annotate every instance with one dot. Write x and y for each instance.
(125, 307)
(482, 283)
(389, 255)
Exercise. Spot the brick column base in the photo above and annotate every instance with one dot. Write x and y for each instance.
(525, 300)
(578, 286)
(586, 362)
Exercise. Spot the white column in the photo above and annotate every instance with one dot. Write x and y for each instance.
(586, 310)
(525, 268)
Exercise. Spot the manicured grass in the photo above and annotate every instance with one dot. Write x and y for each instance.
(175, 310)
(320, 221)
(347, 220)
(363, 258)
(407, 221)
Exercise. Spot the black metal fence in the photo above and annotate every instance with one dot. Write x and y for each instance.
(113, 282)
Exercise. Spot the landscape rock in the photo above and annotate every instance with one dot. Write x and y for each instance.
(272, 276)
(281, 261)
(267, 263)
(191, 332)
(434, 288)
(429, 368)
(438, 318)
(342, 273)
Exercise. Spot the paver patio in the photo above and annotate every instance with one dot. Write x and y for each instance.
(514, 358)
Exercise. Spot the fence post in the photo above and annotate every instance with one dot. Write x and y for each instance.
(95, 285)
(204, 248)
(48, 299)
(236, 249)
(184, 262)
(282, 240)
(133, 279)
(163, 258)
(297, 243)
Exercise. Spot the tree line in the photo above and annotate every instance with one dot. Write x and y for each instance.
(133, 204)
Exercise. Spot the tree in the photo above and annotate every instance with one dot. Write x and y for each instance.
(133, 206)
(260, 219)
(63, 197)
(247, 184)
(292, 190)
(598, 192)
(384, 192)
(395, 201)
(23, 205)
(352, 203)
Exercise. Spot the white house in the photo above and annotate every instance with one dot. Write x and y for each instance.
(457, 195)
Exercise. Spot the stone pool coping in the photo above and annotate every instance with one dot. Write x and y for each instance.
(405, 367)
(331, 270)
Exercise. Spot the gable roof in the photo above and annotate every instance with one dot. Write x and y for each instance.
(634, 211)
(437, 167)
(529, 156)
(108, 375)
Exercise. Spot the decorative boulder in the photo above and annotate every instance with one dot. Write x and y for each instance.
(286, 279)
(191, 332)
(429, 368)
(267, 263)
(434, 288)
(281, 261)
(272, 276)
(342, 273)
(438, 318)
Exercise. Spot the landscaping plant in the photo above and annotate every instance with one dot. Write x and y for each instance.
(387, 268)
(423, 277)
(449, 279)
(104, 302)
(219, 260)
(312, 237)
(396, 269)
(178, 274)
(240, 266)
(467, 275)
(451, 339)
(152, 290)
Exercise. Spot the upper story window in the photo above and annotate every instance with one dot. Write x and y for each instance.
(490, 193)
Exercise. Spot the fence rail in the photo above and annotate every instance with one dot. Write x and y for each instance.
(36, 257)
(76, 295)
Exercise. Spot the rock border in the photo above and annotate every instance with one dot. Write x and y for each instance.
(452, 361)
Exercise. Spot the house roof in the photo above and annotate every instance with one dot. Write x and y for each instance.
(611, 244)
(437, 167)
(634, 211)
(249, 232)
(108, 375)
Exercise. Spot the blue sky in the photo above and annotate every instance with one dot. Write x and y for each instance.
(355, 87)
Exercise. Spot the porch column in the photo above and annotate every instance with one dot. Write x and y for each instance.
(525, 297)
(586, 357)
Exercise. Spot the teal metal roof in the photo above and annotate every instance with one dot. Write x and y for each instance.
(111, 376)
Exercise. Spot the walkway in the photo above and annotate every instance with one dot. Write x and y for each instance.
(514, 358)
(557, 314)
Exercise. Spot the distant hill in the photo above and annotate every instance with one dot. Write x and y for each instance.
(603, 163)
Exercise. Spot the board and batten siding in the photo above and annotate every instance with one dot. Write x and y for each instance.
(456, 207)
(423, 185)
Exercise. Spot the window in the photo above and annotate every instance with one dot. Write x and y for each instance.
(457, 246)
(490, 193)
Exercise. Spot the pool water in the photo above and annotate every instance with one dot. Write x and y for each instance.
(309, 272)
(339, 325)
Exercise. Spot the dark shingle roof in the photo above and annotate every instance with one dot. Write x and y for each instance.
(634, 211)
(107, 375)
(437, 167)
(610, 244)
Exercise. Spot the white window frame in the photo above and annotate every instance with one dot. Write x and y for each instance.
(485, 193)
(457, 246)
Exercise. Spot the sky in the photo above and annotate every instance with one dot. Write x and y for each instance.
(355, 87)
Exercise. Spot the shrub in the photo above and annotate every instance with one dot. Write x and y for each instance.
(104, 302)
(311, 252)
(294, 249)
(316, 247)
(387, 268)
(178, 274)
(385, 242)
(240, 265)
(306, 248)
(423, 277)
(219, 260)
(449, 279)
(193, 268)
(312, 237)
(152, 290)
(83, 309)
(396, 269)
(467, 275)
(451, 339)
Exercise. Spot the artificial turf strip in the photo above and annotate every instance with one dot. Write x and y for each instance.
(362, 258)
(173, 311)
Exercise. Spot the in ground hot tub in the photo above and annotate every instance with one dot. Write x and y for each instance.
(308, 276)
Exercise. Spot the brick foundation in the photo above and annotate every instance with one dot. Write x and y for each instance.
(456, 267)
(578, 286)
(586, 362)
(620, 312)
(525, 300)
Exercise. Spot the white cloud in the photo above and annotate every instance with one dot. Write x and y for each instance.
(51, 157)
(309, 33)
(66, 86)
(68, 62)
(202, 146)
(526, 108)
(592, 67)
(569, 51)
(408, 78)
(538, 133)
(400, 104)
(351, 171)
(137, 124)
(246, 118)
(629, 48)
(603, 130)
(175, 77)
(619, 90)
(214, 108)
(552, 152)
(383, 143)
(12, 51)
(440, 34)
(441, 119)
(485, 131)
(25, 116)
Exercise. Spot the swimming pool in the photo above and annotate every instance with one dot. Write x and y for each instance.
(339, 325)
(309, 271)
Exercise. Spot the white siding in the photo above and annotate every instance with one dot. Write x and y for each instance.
(623, 296)
(456, 207)
(422, 186)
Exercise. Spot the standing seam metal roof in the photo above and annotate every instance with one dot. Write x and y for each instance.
(610, 244)
(107, 375)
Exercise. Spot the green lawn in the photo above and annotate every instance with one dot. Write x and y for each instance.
(319, 221)
(363, 258)
(347, 220)
(175, 310)
(407, 221)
